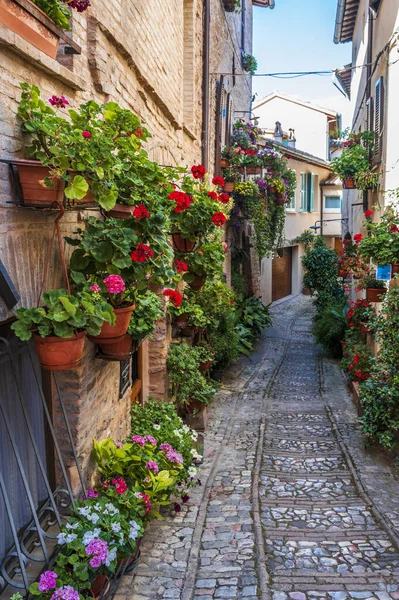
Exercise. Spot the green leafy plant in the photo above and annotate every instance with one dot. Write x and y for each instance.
(205, 261)
(307, 238)
(149, 309)
(358, 361)
(196, 315)
(367, 180)
(355, 156)
(63, 315)
(330, 327)
(249, 63)
(381, 245)
(187, 382)
(59, 11)
(321, 272)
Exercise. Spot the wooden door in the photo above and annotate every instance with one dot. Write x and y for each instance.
(282, 274)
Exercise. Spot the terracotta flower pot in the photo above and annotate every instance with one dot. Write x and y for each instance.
(205, 365)
(181, 244)
(349, 183)
(198, 282)
(100, 586)
(224, 163)
(181, 320)
(280, 199)
(120, 211)
(110, 334)
(30, 173)
(253, 170)
(229, 187)
(119, 350)
(23, 23)
(342, 273)
(60, 354)
(270, 189)
(375, 294)
(395, 268)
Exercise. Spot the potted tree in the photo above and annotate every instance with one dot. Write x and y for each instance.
(59, 327)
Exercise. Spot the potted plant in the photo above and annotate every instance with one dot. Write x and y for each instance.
(36, 22)
(59, 327)
(375, 289)
(97, 149)
(204, 262)
(188, 316)
(381, 245)
(354, 158)
(358, 361)
(361, 314)
(366, 180)
(196, 210)
(249, 63)
(231, 5)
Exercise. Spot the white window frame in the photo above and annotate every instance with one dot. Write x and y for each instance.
(332, 210)
(303, 194)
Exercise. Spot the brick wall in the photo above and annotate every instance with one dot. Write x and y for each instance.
(146, 55)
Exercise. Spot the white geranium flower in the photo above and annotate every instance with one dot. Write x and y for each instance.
(112, 509)
(70, 526)
(61, 538)
(156, 426)
(116, 527)
(186, 429)
(94, 518)
(91, 535)
(177, 432)
(192, 471)
(84, 511)
(111, 556)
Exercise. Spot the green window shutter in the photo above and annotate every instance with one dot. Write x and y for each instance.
(311, 191)
(303, 192)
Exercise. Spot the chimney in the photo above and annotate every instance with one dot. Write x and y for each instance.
(278, 133)
(291, 139)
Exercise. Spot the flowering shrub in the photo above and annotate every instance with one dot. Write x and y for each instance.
(358, 361)
(381, 245)
(350, 261)
(360, 311)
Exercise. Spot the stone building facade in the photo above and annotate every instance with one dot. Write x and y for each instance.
(149, 57)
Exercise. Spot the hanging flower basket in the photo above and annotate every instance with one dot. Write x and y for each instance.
(22, 22)
(59, 354)
(120, 211)
(224, 163)
(119, 350)
(375, 294)
(197, 283)
(182, 244)
(229, 5)
(110, 334)
(229, 187)
(279, 199)
(349, 183)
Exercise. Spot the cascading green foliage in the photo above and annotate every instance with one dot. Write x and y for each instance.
(187, 382)
(148, 310)
(321, 274)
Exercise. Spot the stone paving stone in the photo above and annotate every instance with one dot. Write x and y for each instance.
(320, 536)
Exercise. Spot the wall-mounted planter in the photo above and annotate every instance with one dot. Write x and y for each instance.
(375, 294)
(197, 283)
(349, 183)
(279, 199)
(22, 22)
(229, 5)
(120, 211)
(229, 187)
(59, 354)
(26, 177)
(119, 350)
(224, 163)
(182, 244)
(114, 333)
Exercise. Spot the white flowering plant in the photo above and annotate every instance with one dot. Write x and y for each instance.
(102, 530)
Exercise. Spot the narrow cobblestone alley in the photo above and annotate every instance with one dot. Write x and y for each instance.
(291, 506)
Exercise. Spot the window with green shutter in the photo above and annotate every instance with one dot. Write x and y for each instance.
(304, 187)
(311, 192)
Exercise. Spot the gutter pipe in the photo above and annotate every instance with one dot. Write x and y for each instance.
(339, 19)
(205, 76)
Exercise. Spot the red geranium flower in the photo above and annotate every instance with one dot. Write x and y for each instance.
(142, 253)
(174, 296)
(368, 213)
(218, 181)
(198, 171)
(394, 229)
(213, 195)
(224, 198)
(138, 133)
(358, 238)
(140, 212)
(120, 485)
(87, 134)
(182, 200)
(181, 266)
(219, 219)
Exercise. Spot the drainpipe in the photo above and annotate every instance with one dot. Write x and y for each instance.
(321, 208)
(205, 76)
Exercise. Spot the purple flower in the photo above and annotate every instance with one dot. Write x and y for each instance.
(99, 550)
(151, 440)
(58, 101)
(138, 439)
(174, 457)
(185, 499)
(177, 507)
(152, 466)
(47, 581)
(91, 493)
(66, 592)
(119, 444)
(165, 447)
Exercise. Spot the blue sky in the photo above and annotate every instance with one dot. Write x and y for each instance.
(297, 35)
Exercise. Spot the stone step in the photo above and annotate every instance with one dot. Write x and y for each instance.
(313, 519)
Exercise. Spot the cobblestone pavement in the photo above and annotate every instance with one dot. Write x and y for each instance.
(292, 506)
